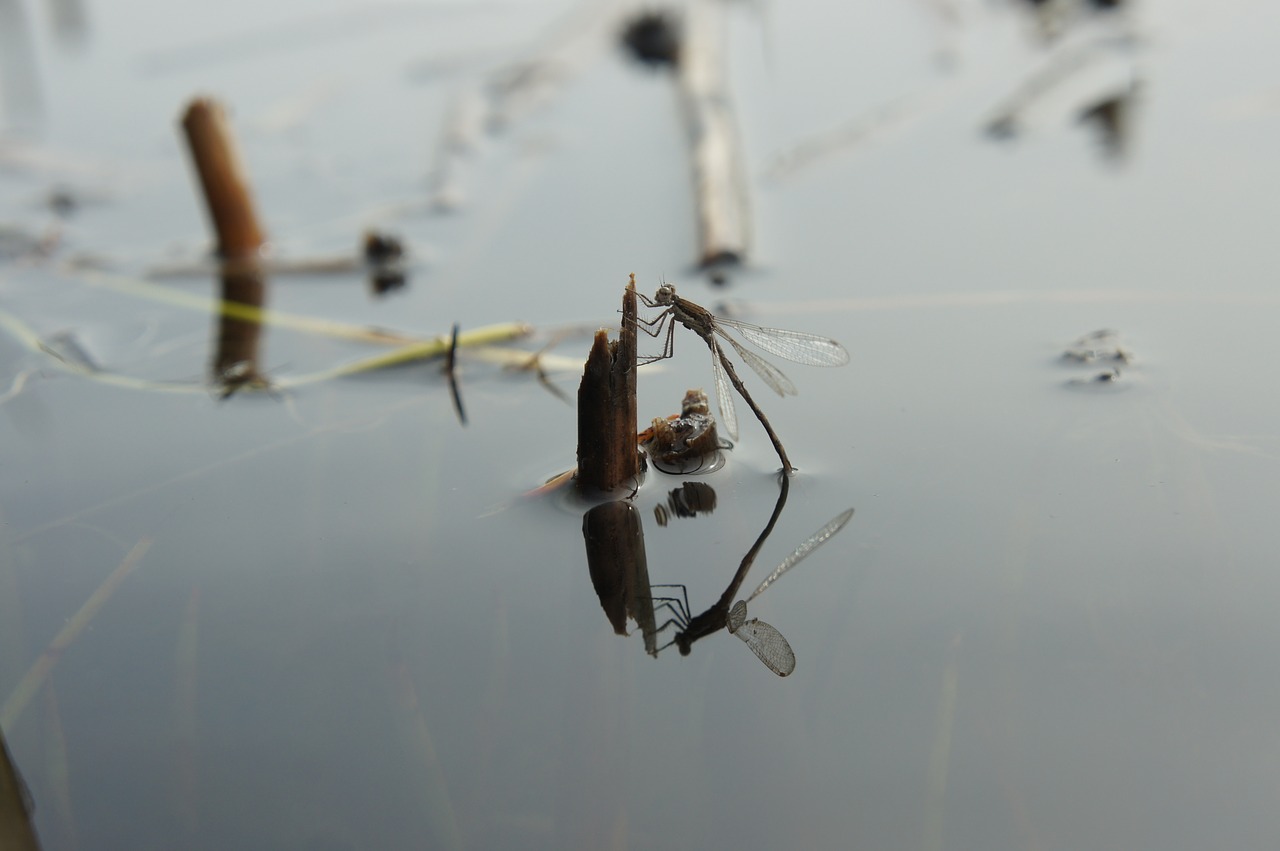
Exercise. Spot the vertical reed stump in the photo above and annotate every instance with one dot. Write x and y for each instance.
(608, 458)
(223, 180)
(240, 239)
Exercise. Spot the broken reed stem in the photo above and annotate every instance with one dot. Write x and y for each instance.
(719, 184)
(607, 454)
(223, 180)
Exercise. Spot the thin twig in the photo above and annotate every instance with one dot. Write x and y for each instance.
(450, 361)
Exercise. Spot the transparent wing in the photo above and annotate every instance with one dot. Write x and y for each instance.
(724, 392)
(795, 346)
(814, 541)
(768, 645)
(772, 376)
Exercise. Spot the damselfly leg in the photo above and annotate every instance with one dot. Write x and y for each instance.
(677, 607)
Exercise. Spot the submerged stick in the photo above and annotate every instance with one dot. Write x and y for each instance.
(607, 455)
(430, 785)
(60, 819)
(719, 183)
(35, 677)
(223, 180)
(186, 727)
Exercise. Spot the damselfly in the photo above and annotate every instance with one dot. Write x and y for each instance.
(795, 346)
(765, 641)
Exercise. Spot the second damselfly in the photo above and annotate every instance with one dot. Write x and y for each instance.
(795, 346)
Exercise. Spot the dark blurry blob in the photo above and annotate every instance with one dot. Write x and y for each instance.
(653, 38)
(384, 255)
(1112, 118)
(16, 808)
(688, 500)
(70, 22)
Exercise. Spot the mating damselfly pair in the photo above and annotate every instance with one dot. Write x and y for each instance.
(795, 346)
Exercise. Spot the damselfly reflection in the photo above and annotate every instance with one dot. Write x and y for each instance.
(795, 346)
(765, 641)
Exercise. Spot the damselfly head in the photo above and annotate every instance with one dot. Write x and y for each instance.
(666, 294)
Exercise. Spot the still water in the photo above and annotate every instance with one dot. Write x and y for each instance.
(333, 617)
